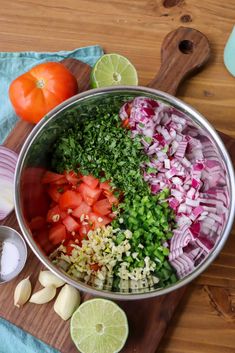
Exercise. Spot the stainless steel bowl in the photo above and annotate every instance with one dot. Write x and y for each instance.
(36, 153)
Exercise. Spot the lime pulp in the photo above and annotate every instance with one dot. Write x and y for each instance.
(113, 70)
(99, 326)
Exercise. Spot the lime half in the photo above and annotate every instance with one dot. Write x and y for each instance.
(112, 70)
(99, 326)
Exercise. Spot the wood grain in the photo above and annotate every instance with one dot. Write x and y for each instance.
(42, 322)
(157, 311)
(183, 52)
(136, 29)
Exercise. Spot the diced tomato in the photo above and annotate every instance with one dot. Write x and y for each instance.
(125, 123)
(106, 220)
(93, 220)
(105, 186)
(57, 233)
(83, 230)
(37, 223)
(70, 199)
(64, 187)
(63, 214)
(41, 234)
(61, 181)
(96, 221)
(35, 199)
(70, 224)
(77, 238)
(68, 238)
(54, 193)
(72, 196)
(112, 199)
(84, 208)
(55, 214)
(72, 177)
(50, 177)
(47, 247)
(90, 180)
(102, 207)
(53, 204)
(41, 238)
(89, 195)
(128, 107)
(95, 267)
(70, 247)
(31, 173)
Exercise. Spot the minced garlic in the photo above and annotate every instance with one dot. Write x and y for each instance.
(100, 248)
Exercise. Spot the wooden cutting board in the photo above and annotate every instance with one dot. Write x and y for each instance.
(183, 51)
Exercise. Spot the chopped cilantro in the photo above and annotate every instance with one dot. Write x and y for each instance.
(101, 147)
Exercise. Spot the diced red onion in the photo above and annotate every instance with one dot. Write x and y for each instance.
(181, 149)
(188, 164)
(167, 163)
(173, 203)
(177, 181)
(197, 211)
(205, 243)
(8, 159)
(155, 188)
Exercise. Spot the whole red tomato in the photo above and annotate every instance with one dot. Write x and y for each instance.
(36, 92)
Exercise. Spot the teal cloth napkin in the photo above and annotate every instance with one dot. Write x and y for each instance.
(15, 340)
(14, 64)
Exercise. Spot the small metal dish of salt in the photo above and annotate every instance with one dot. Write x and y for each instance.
(13, 254)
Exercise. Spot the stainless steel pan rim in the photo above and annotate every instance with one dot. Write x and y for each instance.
(168, 99)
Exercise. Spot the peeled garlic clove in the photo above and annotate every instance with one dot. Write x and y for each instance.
(67, 302)
(47, 278)
(44, 295)
(22, 292)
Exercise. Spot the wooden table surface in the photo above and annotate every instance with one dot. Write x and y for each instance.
(205, 321)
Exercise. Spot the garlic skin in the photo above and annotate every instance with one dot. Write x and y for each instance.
(22, 292)
(67, 302)
(47, 278)
(44, 295)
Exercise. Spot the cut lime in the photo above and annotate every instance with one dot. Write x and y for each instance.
(112, 70)
(99, 326)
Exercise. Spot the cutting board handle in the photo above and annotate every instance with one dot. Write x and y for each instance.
(183, 51)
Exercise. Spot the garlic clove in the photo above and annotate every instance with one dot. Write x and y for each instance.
(44, 295)
(67, 302)
(22, 292)
(47, 278)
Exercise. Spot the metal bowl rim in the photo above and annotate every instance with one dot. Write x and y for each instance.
(170, 100)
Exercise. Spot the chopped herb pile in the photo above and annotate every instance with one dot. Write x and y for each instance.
(100, 146)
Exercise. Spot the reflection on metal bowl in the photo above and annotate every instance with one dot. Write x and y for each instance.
(34, 159)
